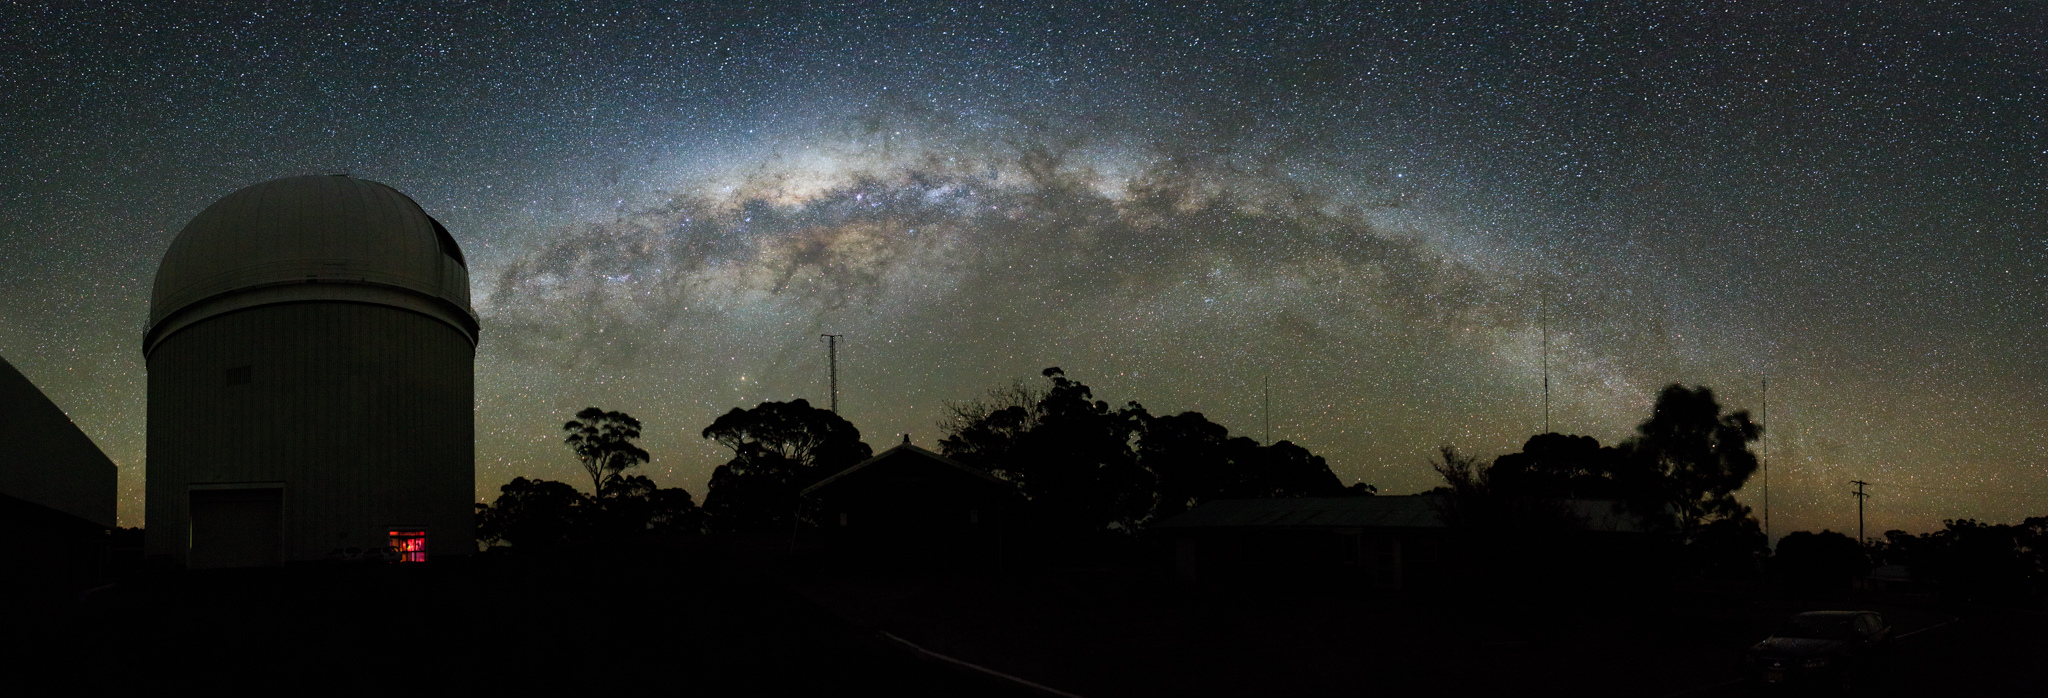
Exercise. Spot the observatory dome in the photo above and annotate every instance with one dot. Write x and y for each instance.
(310, 238)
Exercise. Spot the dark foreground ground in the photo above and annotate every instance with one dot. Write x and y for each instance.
(1109, 632)
(678, 621)
(710, 621)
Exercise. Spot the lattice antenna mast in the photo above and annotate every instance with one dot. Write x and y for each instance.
(832, 356)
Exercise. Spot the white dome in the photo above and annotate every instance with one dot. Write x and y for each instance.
(311, 238)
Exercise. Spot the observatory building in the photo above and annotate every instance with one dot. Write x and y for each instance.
(311, 350)
(57, 496)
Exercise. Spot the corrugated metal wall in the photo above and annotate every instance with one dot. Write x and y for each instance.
(365, 412)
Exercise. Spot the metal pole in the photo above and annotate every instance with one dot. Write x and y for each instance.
(832, 352)
(1269, 410)
(1543, 320)
(1766, 423)
(1860, 496)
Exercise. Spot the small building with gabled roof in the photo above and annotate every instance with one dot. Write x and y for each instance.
(908, 502)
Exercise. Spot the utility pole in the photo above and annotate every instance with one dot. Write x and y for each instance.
(832, 354)
(1766, 424)
(1860, 496)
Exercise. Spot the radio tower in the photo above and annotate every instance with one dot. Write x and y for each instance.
(832, 354)
(1543, 320)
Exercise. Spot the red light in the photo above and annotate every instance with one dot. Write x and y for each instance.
(411, 545)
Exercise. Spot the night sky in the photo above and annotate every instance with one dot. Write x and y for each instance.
(665, 205)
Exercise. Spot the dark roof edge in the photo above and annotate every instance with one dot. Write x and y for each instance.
(913, 448)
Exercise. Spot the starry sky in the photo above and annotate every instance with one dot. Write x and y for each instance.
(1374, 210)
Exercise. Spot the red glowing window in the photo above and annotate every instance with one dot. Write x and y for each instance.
(411, 545)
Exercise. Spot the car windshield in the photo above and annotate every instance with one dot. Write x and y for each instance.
(1819, 627)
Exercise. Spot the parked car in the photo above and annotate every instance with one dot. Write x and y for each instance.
(1832, 648)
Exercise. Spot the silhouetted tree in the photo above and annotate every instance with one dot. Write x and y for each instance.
(1472, 500)
(603, 442)
(672, 511)
(1896, 547)
(755, 492)
(1187, 453)
(1283, 470)
(1077, 464)
(1462, 474)
(1069, 454)
(778, 449)
(1196, 460)
(632, 505)
(1824, 560)
(1972, 560)
(1560, 465)
(1086, 467)
(1533, 535)
(995, 443)
(1699, 455)
(965, 416)
(539, 513)
(1728, 548)
(811, 437)
(533, 514)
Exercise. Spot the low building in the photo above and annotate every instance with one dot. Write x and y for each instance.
(57, 496)
(1376, 542)
(907, 503)
(1386, 542)
(1894, 579)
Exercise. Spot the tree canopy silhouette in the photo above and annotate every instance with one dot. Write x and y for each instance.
(533, 514)
(1700, 454)
(1729, 548)
(778, 448)
(1680, 470)
(540, 513)
(1493, 499)
(1559, 465)
(1077, 463)
(1824, 560)
(603, 443)
(1087, 467)
(1196, 460)
(809, 436)
(1973, 560)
